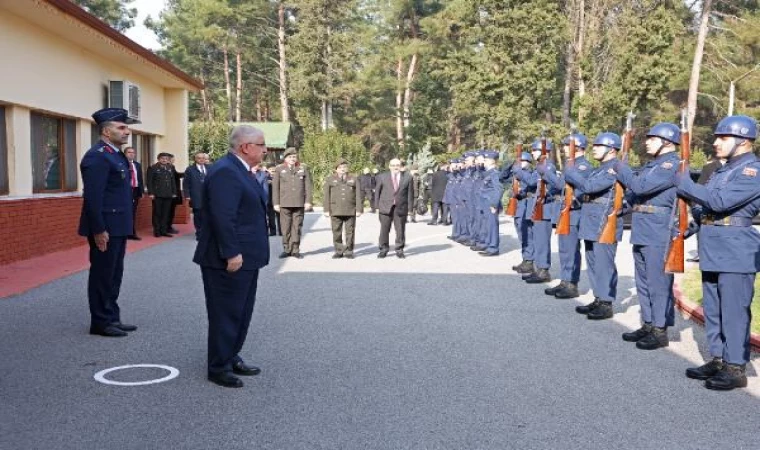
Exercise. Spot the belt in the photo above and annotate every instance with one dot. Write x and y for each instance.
(730, 221)
(598, 200)
(651, 209)
(529, 195)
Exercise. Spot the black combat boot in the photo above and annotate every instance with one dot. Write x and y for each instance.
(585, 309)
(705, 371)
(553, 290)
(658, 338)
(569, 291)
(730, 377)
(602, 311)
(539, 276)
(525, 267)
(636, 336)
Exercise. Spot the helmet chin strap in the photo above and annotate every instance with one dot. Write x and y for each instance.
(659, 149)
(737, 144)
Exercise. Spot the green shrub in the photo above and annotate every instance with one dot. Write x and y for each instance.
(209, 137)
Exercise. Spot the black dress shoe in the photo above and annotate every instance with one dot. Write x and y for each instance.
(157, 234)
(586, 308)
(553, 290)
(432, 223)
(484, 253)
(382, 255)
(539, 276)
(524, 267)
(224, 379)
(337, 256)
(166, 235)
(348, 255)
(284, 255)
(124, 326)
(477, 248)
(272, 233)
(297, 255)
(451, 238)
(134, 237)
(705, 371)
(730, 377)
(602, 311)
(241, 368)
(109, 331)
(400, 255)
(641, 333)
(570, 290)
(694, 259)
(658, 338)
(173, 230)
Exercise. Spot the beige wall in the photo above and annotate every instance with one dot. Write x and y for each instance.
(46, 72)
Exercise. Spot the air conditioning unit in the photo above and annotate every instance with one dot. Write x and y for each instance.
(124, 94)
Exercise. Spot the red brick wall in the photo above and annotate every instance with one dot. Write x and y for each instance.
(34, 227)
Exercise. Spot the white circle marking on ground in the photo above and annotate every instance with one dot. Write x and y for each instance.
(101, 376)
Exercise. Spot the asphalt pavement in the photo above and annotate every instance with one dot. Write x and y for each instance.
(442, 350)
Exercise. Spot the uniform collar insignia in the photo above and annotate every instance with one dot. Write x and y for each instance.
(667, 165)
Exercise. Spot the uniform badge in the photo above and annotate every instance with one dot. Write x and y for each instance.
(582, 167)
(749, 171)
(611, 171)
(667, 165)
(283, 171)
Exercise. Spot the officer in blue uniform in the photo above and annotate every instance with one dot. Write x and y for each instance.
(570, 244)
(729, 251)
(523, 223)
(449, 196)
(465, 198)
(490, 203)
(479, 223)
(654, 196)
(597, 194)
(542, 229)
(106, 219)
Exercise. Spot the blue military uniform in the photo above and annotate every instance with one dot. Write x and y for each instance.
(465, 201)
(479, 222)
(106, 207)
(523, 223)
(654, 196)
(449, 198)
(596, 193)
(542, 229)
(490, 197)
(729, 250)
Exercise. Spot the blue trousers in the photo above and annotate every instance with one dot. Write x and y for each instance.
(726, 298)
(542, 243)
(570, 255)
(229, 302)
(464, 219)
(104, 282)
(484, 226)
(654, 287)
(525, 235)
(602, 273)
(456, 231)
(492, 239)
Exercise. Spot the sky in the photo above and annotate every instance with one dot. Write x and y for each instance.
(139, 33)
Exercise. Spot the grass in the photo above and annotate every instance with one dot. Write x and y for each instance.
(692, 289)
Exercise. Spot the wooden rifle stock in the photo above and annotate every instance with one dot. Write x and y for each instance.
(538, 210)
(512, 206)
(563, 224)
(674, 263)
(609, 232)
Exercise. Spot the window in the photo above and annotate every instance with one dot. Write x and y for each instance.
(3, 153)
(54, 159)
(143, 145)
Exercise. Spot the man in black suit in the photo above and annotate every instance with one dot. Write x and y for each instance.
(232, 248)
(437, 189)
(192, 187)
(393, 198)
(136, 180)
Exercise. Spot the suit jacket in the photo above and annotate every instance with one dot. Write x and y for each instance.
(234, 219)
(438, 185)
(384, 195)
(107, 193)
(138, 193)
(192, 186)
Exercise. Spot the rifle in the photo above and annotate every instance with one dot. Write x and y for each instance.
(609, 232)
(563, 224)
(538, 209)
(674, 261)
(512, 207)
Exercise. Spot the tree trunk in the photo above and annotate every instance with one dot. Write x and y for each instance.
(400, 104)
(285, 109)
(228, 88)
(204, 99)
(697, 64)
(259, 108)
(408, 89)
(579, 55)
(454, 134)
(324, 115)
(238, 86)
(568, 85)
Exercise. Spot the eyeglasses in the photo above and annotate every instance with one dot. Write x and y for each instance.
(256, 144)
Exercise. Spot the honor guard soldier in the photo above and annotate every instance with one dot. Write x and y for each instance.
(449, 197)
(654, 194)
(106, 219)
(343, 204)
(465, 198)
(478, 223)
(598, 190)
(523, 223)
(570, 244)
(490, 203)
(729, 251)
(542, 229)
(291, 195)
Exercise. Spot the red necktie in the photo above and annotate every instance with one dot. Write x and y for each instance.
(395, 182)
(134, 175)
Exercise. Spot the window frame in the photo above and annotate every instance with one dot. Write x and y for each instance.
(62, 151)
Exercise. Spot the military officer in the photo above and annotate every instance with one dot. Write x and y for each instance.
(542, 229)
(343, 204)
(106, 219)
(478, 222)
(449, 197)
(569, 244)
(465, 198)
(291, 195)
(654, 194)
(490, 203)
(523, 223)
(598, 190)
(729, 249)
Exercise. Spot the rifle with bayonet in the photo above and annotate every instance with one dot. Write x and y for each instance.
(512, 206)
(563, 224)
(674, 261)
(538, 210)
(609, 232)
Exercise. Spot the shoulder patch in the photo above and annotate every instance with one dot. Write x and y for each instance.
(611, 171)
(582, 167)
(749, 171)
(667, 165)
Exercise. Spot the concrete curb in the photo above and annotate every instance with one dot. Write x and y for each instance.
(697, 314)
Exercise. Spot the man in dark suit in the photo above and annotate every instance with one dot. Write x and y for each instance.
(437, 188)
(192, 187)
(106, 219)
(178, 176)
(136, 181)
(393, 198)
(233, 246)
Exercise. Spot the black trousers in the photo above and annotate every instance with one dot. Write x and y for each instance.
(197, 221)
(135, 203)
(273, 221)
(339, 223)
(441, 207)
(172, 211)
(229, 303)
(399, 225)
(161, 211)
(104, 282)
